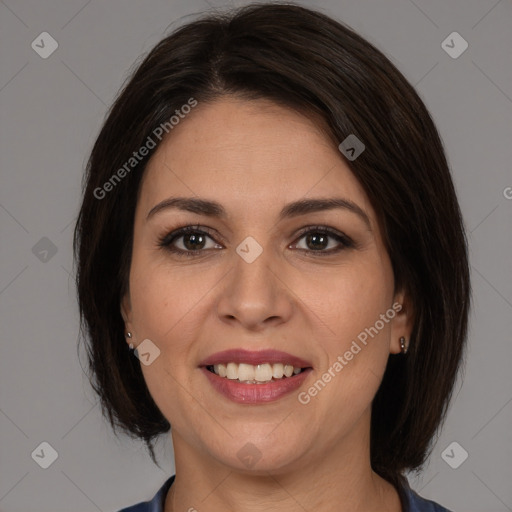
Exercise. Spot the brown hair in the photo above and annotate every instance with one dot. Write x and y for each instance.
(307, 61)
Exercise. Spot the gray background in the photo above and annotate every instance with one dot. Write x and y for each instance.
(51, 111)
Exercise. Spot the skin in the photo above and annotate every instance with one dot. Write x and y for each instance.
(254, 157)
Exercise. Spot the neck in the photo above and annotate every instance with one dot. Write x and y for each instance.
(337, 479)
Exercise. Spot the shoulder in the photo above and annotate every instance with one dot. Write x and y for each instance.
(156, 504)
(418, 504)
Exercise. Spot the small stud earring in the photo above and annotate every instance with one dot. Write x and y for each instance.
(403, 346)
(128, 334)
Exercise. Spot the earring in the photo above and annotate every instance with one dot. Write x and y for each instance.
(403, 346)
(128, 334)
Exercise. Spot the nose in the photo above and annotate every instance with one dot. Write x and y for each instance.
(255, 294)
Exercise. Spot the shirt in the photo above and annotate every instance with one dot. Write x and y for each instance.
(411, 502)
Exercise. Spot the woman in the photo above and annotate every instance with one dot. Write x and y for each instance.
(269, 224)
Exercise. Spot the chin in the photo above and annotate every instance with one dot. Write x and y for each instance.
(259, 456)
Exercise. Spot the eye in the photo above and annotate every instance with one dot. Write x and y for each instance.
(193, 241)
(318, 237)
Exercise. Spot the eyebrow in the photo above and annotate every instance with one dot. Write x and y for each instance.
(295, 209)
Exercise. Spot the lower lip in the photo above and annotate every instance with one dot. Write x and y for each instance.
(255, 393)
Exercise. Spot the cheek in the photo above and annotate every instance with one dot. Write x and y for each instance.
(166, 306)
(349, 299)
(350, 302)
(165, 301)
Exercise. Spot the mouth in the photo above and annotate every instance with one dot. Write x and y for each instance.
(255, 377)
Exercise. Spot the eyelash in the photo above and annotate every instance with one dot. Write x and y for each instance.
(167, 240)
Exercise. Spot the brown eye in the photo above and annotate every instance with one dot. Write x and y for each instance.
(192, 240)
(317, 240)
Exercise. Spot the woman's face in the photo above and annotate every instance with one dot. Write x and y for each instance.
(251, 286)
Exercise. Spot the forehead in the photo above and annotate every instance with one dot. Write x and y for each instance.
(248, 153)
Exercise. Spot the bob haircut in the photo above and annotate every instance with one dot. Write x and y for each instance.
(306, 61)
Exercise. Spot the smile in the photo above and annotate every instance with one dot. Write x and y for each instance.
(254, 374)
(255, 377)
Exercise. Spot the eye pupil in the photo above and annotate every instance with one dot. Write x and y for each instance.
(193, 239)
(316, 238)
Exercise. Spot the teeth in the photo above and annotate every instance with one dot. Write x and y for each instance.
(288, 370)
(232, 371)
(246, 372)
(220, 369)
(263, 373)
(277, 371)
(258, 374)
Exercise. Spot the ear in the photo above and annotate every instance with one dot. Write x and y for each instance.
(126, 313)
(403, 322)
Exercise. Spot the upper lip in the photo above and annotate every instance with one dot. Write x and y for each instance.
(254, 358)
